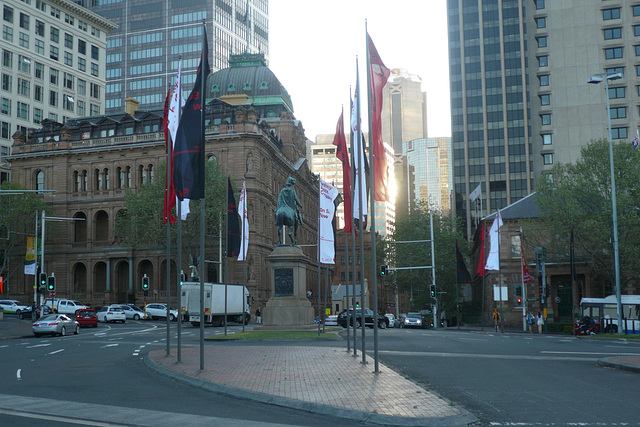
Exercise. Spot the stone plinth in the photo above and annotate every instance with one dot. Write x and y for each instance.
(289, 307)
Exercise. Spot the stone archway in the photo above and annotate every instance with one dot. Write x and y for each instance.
(121, 283)
(79, 281)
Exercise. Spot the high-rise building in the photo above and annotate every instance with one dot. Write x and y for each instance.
(143, 53)
(52, 66)
(520, 101)
(429, 170)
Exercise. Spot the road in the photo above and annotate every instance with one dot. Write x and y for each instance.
(98, 378)
(519, 379)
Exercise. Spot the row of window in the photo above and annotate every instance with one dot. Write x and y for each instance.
(101, 178)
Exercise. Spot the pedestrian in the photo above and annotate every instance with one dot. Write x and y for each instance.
(530, 322)
(258, 316)
(539, 321)
(496, 320)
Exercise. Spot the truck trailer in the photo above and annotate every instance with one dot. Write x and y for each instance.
(237, 307)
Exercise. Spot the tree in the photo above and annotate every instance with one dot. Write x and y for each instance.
(141, 224)
(416, 226)
(17, 221)
(578, 196)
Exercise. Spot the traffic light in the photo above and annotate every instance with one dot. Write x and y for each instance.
(183, 278)
(358, 304)
(432, 291)
(383, 270)
(519, 301)
(43, 280)
(145, 282)
(51, 283)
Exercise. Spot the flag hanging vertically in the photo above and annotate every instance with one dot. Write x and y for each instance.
(30, 257)
(169, 189)
(233, 230)
(493, 260)
(378, 76)
(526, 276)
(635, 140)
(360, 184)
(242, 211)
(463, 275)
(476, 193)
(480, 271)
(326, 250)
(188, 157)
(342, 153)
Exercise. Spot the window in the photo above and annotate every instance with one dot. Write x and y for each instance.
(39, 46)
(636, 30)
(38, 93)
(636, 10)
(613, 53)
(618, 133)
(95, 91)
(81, 108)
(24, 64)
(82, 47)
(82, 87)
(54, 35)
(23, 110)
(546, 139)
(24, 21)
(5, 130)
(94, 110)
(40, 179)
(68, 19)
(39, 28)
(545, 99)
(543, 61)
(68, 102)
(68, 59)
(544, 80)
(24, 40)
(82, 64)
(23, 87)
(7, 33)
(7, 59)
(613, 33)
(40, 5)
(5, 106)
(68, 80)
(7, 14)
(545, 119)
(37, 115)
(54, 53)
(539, 4)
(55, 12)
(53, 76)
(616, 92)
(613, 13)
(618, 113)
(547, 158)
(39, 70)
(95, 53)
(541, 22)
(542, 41)
(6, 82)
(94, 69)
(53, 98)
(614, 70)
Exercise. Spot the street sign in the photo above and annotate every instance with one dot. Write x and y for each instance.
(52, 294)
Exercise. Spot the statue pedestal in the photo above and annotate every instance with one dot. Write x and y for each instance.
(289, 307)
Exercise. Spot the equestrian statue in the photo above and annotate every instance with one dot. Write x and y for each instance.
(287, 212)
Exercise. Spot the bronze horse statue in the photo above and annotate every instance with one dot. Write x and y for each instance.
(287, 212)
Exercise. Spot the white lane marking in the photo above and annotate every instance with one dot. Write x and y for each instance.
(18, 374)
(110, 345)
(591, 353)
(57, 351)
(39, 345)
(490, 356)
(3, 346)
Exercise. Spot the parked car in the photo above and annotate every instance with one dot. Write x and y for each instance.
(55, 324)
(133, 312)
(159, 311)
(383, 322)
(41, 310)
(87, 317)
(112, 313)
(414, 320)
(394, 322)
(13, 306)
(64, 306)
(331, 320)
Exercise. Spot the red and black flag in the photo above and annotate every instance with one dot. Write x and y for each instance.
(463, 275)
(233, 230)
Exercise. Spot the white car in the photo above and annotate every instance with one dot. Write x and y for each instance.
(133, 312)
(156, 311)
(13, 306)
(393, 321)
(112, 313)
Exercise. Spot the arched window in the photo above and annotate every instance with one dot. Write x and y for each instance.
(142, 177)
(97, 180)
(80, 228)
(39, 181)
(120, 177)
(105, 179)
(128, 176)
(76, 181)
(101, 226)
(84, 181)
(150, 173)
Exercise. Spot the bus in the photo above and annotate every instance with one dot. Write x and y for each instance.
(606, 311)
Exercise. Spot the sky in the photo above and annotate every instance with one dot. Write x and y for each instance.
(313, 47)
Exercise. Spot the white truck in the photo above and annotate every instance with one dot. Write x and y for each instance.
(64, 306)
(237, 307)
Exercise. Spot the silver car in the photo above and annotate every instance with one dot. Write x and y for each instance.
(133, 312)
(55, 324)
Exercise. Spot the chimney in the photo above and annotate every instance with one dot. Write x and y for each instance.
(131, 106)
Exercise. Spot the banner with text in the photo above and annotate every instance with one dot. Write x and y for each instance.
(327, 250)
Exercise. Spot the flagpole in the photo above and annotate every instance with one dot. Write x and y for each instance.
(360, 193)
(245, 250)
(179, 242)
(318, 255)
(353, 235)
(203, 79)
(524, 290)
(346, 275)
(500, 276)
(168, 221)
(226, 226)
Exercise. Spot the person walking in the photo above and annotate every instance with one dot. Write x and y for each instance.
(258, 316)
(530, 322)
(539, 321)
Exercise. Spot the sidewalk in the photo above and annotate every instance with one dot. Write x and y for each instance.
(324, 380)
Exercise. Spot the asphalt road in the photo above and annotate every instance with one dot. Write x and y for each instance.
(519, 379)
(98, 378)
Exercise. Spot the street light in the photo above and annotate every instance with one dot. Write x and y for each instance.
(595, 79)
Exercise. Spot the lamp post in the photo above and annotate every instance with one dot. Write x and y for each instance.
(595, 79)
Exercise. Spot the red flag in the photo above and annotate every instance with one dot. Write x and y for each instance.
(378, 76)
(169, 190)
(526, 276)
(480, 272)
(342, 153)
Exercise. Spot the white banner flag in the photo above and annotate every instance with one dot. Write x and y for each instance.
(244, 234)
(328, 194)
(493, 260)
(476, 193)
(358, 160)
(173, 121)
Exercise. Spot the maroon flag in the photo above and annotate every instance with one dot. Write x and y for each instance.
(342, 153)
(188, 157)
(169, 190)
(526, 276)
(233, 231)
(480, 272)
(378, 76)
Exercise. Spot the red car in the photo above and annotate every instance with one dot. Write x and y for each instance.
(87, 317)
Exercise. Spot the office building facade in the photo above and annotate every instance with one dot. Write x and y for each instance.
(143, 53)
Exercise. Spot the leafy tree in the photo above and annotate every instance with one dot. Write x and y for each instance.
(17, 221)
(578, 196)
(416, 226)
(141, 224)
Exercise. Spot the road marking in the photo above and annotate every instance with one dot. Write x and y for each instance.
(110, 345)
(18, 374)
(490, 356)
(3, 346)
(39, 345)
(57, 351)
(591, 353)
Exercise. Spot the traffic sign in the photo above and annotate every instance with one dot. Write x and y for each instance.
(52, 294)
